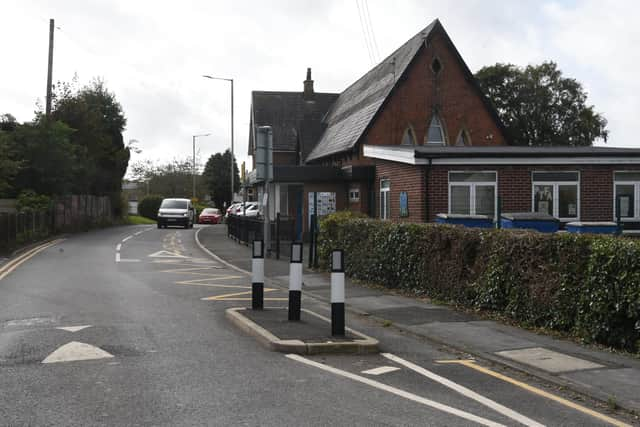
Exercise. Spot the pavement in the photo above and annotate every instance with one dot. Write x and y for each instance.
(605, 376)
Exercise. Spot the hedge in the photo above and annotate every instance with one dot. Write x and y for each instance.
(148, 207)
(584, 285)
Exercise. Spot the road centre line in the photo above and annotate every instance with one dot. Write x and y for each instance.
(12, 265)
(398, 392)
(465, 391)
(117, 256)
(118, 247)
(472, 364)
(126, 238)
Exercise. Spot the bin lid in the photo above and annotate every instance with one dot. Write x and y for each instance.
(529, 216)
(592, 224)
(462, 216)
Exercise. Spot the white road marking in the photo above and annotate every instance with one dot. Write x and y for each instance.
(396, 391)
(126, 238)
(166, 254)
(117, 256)
(118, 247)
(465, 392)
(73, 328)
(381, 370)
(75, 351)
(129, 260)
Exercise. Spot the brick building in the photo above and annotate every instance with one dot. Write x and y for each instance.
(415, 137)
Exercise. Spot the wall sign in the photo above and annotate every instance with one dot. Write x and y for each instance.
(404, 204)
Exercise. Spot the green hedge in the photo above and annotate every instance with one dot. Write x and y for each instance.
(148, 207)
(588, 286)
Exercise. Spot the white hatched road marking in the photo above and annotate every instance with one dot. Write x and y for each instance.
(465, 391)
(166, 254)
(381, 370)
(73, 328)
(402, 393)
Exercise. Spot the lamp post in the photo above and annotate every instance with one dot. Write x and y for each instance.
(193, 166)
(232, 169)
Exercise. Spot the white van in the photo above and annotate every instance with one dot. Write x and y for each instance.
(176, 212)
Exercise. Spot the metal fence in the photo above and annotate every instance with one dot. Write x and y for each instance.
(247, 229)
(69, 214)
(17, 229)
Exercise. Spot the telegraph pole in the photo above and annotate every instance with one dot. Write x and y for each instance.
(50, 69)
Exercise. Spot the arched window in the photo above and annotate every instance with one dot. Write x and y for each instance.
(408, 138)
(463, 139)
(435, 134)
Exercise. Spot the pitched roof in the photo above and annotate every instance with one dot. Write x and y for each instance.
(291, 118)
(357, 105)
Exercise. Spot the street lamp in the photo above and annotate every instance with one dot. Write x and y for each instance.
(232, 170)
(193, 166)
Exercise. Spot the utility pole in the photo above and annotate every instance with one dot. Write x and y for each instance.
(50, 69)
(232, 162)
(193, 166)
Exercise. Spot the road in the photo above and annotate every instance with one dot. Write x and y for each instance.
(145, 308)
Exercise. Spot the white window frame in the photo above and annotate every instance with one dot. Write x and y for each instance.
(385, 200)
(636, 194)
(472, 190)
(354, 194)
(556, 193)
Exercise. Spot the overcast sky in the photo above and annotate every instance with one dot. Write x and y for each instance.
(152, 54)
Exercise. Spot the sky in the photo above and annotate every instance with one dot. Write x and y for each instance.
(152, 55)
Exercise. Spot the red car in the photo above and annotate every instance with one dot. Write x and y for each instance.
(210, 216)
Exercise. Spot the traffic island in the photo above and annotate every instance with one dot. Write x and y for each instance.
(309, 335)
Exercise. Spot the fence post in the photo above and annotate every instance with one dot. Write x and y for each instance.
(257, 275)
(278, 235)
(311, 237)
(337, 293)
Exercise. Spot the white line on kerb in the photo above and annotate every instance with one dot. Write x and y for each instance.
(397, 392)
(465, 391)
(118, 247)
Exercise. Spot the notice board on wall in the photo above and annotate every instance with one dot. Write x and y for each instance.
(324, 200)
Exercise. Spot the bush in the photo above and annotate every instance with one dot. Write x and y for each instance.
(584, 285)
(29, 201)
(148, 207)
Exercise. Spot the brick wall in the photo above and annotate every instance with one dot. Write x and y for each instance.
(414, 99)
(402, 178)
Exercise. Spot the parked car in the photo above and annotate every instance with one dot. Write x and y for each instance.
(232, 210)
(210, 216)
(176, 212)
(250, 209)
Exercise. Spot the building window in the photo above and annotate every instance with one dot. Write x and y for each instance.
(408, 138)
(472, 193)
(557, 194)
(435, 134)
(627, 191)
(436, 66)
(354, 194)
(463, 139)
(385, 205)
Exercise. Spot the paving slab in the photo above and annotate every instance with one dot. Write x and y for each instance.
(374, 303)
(471, 336)
(621, 384)
(548, 360)
(416, 315)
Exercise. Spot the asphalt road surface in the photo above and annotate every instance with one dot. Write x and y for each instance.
(126, 326)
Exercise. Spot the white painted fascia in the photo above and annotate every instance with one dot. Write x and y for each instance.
(397, 154)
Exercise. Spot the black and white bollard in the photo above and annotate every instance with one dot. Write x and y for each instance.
(295, 281)
(337, 293)
(257, 275)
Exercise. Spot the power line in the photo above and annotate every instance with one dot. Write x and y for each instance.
(364, 33)
(371, 32)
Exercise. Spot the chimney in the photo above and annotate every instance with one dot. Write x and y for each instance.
(307, 95)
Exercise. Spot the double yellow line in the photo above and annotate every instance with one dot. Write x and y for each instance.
(6, 269)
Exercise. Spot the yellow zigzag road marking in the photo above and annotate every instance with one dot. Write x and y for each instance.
(472, 364)
(212, 285)
(191, 270)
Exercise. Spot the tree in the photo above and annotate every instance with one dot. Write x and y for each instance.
(539, 106)
(97, 118)
(46, 157)
(171, 179)
(217, 177)
(9, 165)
